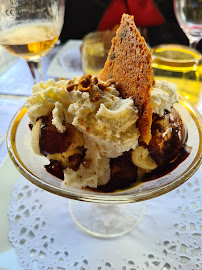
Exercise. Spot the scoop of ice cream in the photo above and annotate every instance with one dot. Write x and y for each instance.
(66, 148)
(168, 137)
(47, 140)
(123, 173)
(163, 96)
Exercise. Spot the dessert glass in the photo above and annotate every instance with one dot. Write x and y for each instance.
(105, 214)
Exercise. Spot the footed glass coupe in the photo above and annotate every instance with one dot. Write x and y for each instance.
(105, 214)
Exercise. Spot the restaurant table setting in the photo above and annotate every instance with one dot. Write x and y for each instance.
(38, 231)
(43, 226)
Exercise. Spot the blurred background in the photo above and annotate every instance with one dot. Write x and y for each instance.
(155, 19)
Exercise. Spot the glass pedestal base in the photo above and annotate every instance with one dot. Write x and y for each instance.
(106, 220)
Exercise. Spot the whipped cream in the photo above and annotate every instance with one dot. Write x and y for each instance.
(163, 96)
(106, 121)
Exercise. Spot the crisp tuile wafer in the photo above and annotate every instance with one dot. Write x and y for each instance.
(129, 64)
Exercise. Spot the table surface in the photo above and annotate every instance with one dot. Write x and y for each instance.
(15, 85)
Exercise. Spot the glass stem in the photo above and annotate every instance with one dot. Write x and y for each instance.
(193, 43)
(36, 71)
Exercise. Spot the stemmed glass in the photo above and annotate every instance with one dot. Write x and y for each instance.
(189, 16)
(30, 28)
(105, 214)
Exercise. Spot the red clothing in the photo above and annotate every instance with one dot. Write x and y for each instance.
(144, 11)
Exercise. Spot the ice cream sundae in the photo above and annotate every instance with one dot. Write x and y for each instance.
(109, 132)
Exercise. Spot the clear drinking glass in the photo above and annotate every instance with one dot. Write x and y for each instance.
(95, 48)
(30, 28)
(189, 16)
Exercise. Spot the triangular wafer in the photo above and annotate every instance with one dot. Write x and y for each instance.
(129, 64)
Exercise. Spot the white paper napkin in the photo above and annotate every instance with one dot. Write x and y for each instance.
(67, 62)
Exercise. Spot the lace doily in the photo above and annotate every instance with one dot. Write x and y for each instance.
(168, 237)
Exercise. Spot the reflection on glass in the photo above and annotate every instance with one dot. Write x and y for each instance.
(180, 65)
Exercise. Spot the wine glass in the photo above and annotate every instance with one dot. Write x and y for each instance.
(189, 16)
(112, 213)
(30, 28)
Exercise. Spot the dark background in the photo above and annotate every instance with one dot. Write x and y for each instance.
(84, 16)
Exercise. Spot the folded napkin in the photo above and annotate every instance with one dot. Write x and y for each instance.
(67, 62)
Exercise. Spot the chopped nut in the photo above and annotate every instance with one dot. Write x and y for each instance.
(96, 97)
(85, 81)
(70, 85)
(95, 80)
(102, 86)
(84, 89)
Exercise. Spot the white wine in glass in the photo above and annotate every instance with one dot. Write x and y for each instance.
(30, 28)
(189, 16)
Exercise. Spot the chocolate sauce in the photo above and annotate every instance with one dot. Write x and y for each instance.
(168, 168)
(51, 141)
(75, 161)
(168, 136)
(168, 153)
(31, 126)
(123, 173)
(55, 169)
(125, 181)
